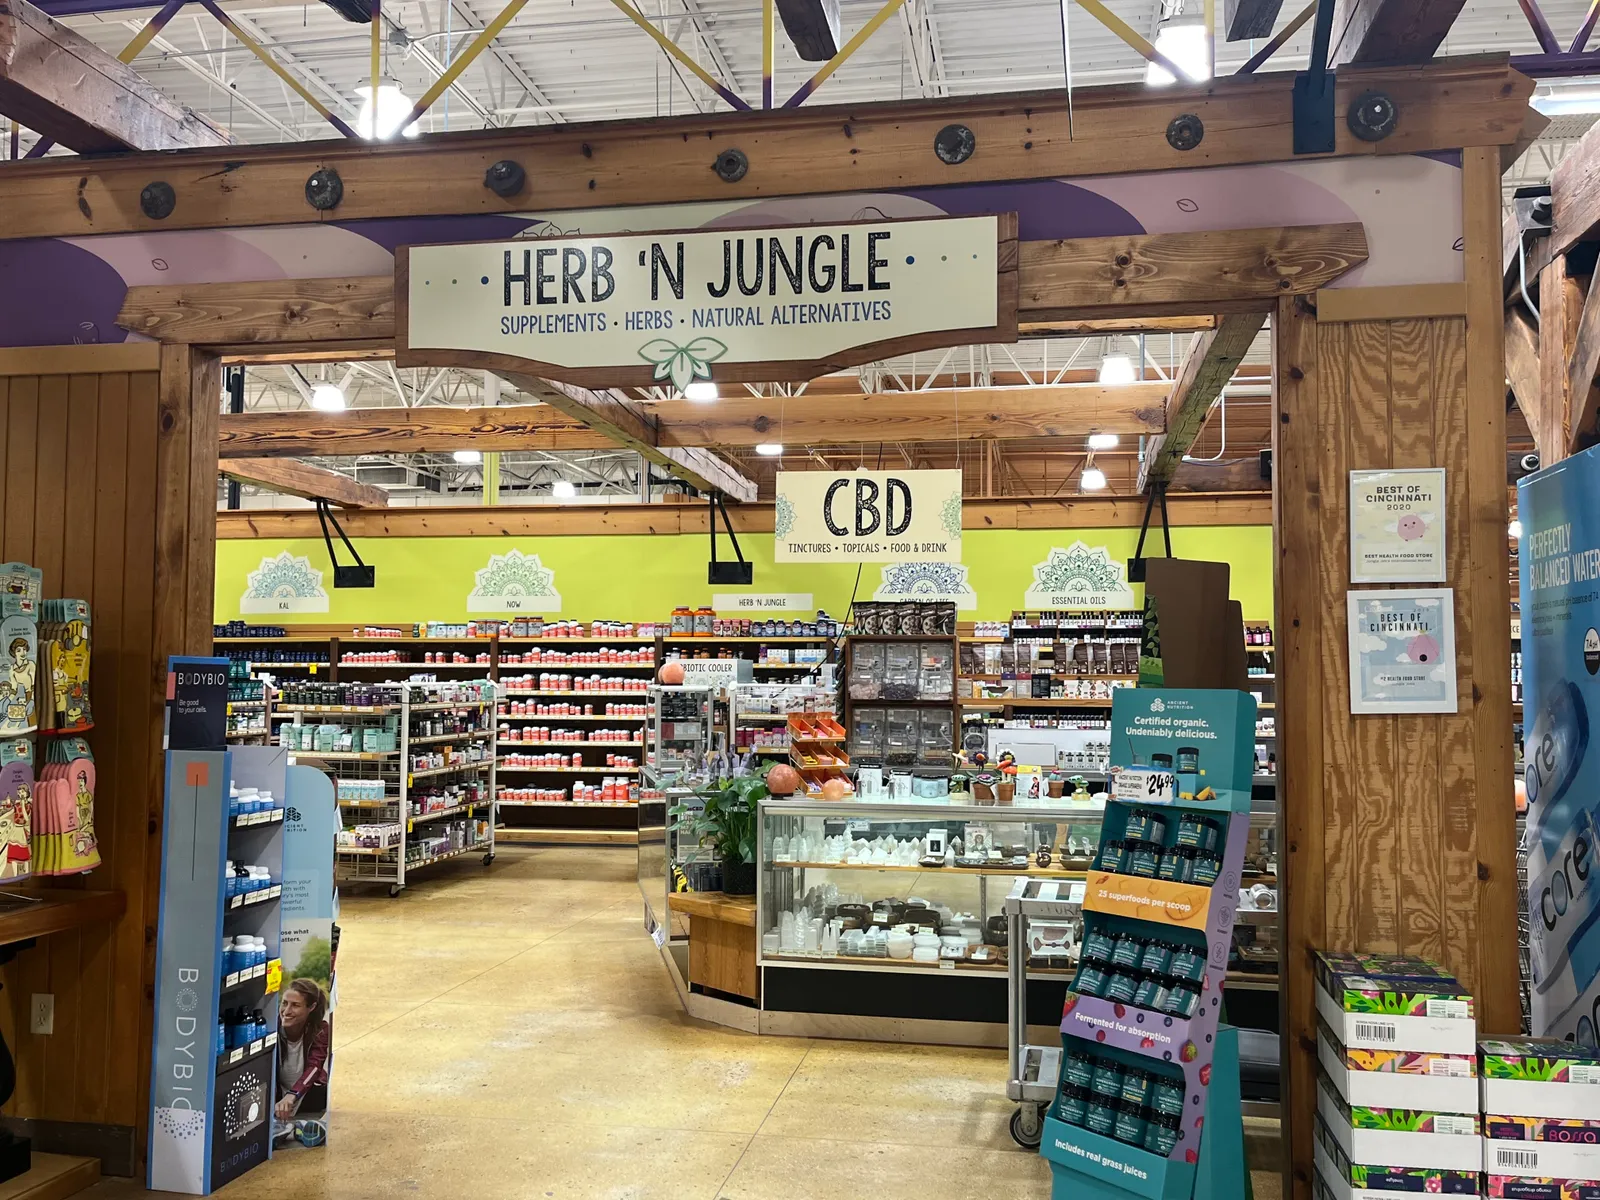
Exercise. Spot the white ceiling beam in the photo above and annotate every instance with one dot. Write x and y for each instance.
(184, 60)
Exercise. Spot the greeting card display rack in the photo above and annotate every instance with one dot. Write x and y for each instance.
(1145, 1071)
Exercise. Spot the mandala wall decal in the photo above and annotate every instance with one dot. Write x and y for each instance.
(286, 584)
(1079, 577)
(514, 582)
(927, 581)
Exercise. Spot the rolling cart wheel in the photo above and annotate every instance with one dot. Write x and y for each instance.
(394, 890)
(488, 858)
(1027, 1126)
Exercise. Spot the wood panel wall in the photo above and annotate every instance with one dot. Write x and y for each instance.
(1399, 831)
(110, 489)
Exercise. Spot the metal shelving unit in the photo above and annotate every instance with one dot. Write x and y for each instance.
(468, 766)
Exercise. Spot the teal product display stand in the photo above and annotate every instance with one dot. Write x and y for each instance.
(1148, 1103)
(1219, 1174)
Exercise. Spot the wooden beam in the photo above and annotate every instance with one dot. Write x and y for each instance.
(1126, 280)
(1522, 367)
(1228, 270)
(397, 430)
(1096, 328)
(631, 426)
(959, 414)
(263, 312)
(940, 415)
(1581, 377)
(583, 520)
(64, 87)
(1575, 201)
(1560, 302)
(1235, 475)
(292, 478)
(1210, 364)
(1390, 31)
(843, 149)
(1242, 19)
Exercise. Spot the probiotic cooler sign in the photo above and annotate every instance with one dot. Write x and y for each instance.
(1560, 556)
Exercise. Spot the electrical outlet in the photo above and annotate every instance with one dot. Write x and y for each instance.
(43, 1012)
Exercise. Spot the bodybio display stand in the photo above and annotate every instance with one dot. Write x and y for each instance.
(1145, 1067)
(218, 943)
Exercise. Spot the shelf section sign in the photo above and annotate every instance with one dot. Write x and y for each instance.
(867, 516)
(667, 309)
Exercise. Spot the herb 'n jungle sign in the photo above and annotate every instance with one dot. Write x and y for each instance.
(744, 305)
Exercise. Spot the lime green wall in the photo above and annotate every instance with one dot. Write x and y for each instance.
(641, 578)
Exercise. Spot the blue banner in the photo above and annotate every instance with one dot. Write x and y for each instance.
(1560, 569)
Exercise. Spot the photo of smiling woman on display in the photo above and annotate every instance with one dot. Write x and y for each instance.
(304, 1040)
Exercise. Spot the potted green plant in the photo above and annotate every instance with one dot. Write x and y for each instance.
(725, 821)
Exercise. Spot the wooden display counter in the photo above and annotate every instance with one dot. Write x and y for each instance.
(722, 941)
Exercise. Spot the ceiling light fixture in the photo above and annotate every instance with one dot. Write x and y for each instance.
(327, 397)
(1515, 529)
(1092, 480)
(1102, 441)
(563, 489)
(468, 458)
(702, 391)
(1186, 43)
(770, 449)
(393, 107)
(1116, 368)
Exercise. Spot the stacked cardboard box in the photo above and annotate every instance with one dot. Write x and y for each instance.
(1397, 1096)
(1541, 1119)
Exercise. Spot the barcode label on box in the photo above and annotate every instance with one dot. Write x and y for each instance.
(1516, 1160)
(1454, 1009)
(1467, 1126)
(1456, 1067)
(1376, 1031)
(1585, 1073)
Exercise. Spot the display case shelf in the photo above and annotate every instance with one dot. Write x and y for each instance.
(481, 764)
(476, 735)
(1032, 872)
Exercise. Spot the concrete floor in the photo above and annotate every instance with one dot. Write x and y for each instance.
(511, 1032)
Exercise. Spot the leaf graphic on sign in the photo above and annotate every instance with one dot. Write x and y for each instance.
(682, 364)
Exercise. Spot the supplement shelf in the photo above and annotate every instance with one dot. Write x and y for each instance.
(378, 788)
(585, 745)
(600, 770)
(345, 665)
(418, 818)
(575, 717)
(246, 820)
(563, 695)
(347, 755)
(249, 899)
(623, 804)
(452, 768)
(242, 1054)
(485, 845)
(784, 717)
(476, 735)
(240, 978)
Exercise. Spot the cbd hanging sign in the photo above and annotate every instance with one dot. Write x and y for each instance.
(868, 516)
(743, 305)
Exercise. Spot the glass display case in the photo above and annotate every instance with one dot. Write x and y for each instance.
(681, 744)
(908, 887)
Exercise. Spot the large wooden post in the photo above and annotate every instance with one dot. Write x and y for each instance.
(1399, 831)
(110, 458)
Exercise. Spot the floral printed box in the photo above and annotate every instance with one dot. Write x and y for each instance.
(1346, 1179)
(1400, 1137)
(1371, 1011)
(1518, 1187)
(1541, 1146)
(1540, 1077)
(1399, 1078)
